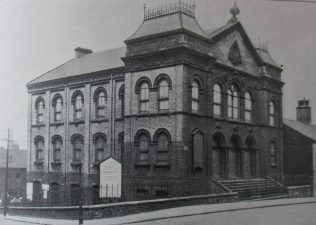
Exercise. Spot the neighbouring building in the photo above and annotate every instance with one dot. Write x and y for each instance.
(178, 106)
(16, 174)
(299, 147)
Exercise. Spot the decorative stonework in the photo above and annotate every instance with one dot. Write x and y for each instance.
(234, 54)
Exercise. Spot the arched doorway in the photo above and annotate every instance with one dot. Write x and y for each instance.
(252, 155)
(220, 150)
(237, 155)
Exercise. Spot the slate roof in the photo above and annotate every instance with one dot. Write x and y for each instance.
(166, 23)
(17, 158)
(307, 130)
(99, 61)
(266, 57)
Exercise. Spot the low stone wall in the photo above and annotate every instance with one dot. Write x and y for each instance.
(300, 191)
(120, 209)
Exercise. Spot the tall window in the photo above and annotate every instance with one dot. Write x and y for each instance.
(144, 97)
(163, 98)
(58, 106)
(238, 155)
(121, 147)
(272, 113)
(272, 154)
(162, 147)
(248, 107)
(250, 144)
(142, 139)
(122, 99)
(195, 96)
(77, 144)
(233, 102)
(77, 105)
(39, 148)
(198, 149)
(40, 110)
(217, 100)
(99, 142)
(219, 147)
(100, 104)
(57, 145)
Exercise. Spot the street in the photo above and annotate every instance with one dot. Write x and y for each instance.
(269, 212)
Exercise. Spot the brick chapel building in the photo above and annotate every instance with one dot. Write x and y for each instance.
(177, 106)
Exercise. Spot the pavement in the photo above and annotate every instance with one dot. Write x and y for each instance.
(170, 216)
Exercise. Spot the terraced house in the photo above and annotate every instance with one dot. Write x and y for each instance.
(181, 108)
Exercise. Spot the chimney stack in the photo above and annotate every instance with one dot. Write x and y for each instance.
(79, 52)
(304, 112)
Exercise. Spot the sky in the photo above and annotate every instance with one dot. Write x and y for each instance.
(38, 35)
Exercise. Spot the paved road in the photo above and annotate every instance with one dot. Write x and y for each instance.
(279, 215)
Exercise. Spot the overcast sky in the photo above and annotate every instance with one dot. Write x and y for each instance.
(38, 35)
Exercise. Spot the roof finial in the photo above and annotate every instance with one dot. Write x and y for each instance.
(235, 11)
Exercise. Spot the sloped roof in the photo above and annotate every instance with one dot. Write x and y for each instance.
(94, 62)
(307, 130)
(266, 57)
(17, 158)
(166, 23)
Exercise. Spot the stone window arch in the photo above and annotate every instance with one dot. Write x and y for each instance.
(163, 139)
(217, 100)
(57, 143)
(57, 104)
(39, 107)
(39, 148)
(77, 148)
(100, 144)
(142, 140)
(77, 101)
(100, 98)
(233, 101)
(248, 107)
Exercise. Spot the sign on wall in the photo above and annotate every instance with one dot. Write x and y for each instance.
(110, 179)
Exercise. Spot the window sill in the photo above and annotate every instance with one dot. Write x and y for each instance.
(142, 165)
(77, 122)
(38, 163)
(119, 119)
(76, 164)
(56, 124)
(162, 165)
(38, 125)
(56, 164)
(99, 120)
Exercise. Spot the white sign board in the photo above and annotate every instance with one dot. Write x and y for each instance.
(110, 179)
(29, 191)
(45, 188)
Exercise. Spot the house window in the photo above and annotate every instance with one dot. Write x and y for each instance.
(39, 146)
(217, 100)
(57, 145)
(248, 107)
(272, 113)
(163, 98)
(100, 104)
(77, 105)
(162, 147)
(195, 96)
(122, 99)
(77, 144)
(233, 102)
(272, 151)
(198, 149)
(58, 106)
(143, 148)
(40, 110)
(99, 142)
(144, 97)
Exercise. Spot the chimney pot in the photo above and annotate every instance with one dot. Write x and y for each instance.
(79, 52)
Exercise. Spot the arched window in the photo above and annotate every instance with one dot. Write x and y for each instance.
(198, 150)
(39, 149)
(272, 113)
(238, 155)
(144, 97)
(217, 100)
(100, 101)
(251, 149)
(272, 151)
(57, 146)
(248, 107)
(162, 137)
(219, 147)
(163, 92)
(122, 99)
(121, 147)
(58, 107)
(55, 193)
(100, 146)
(77, 146)
(233, 102)
(195, 89)
(142, 139)
(77, 102)
(39, 105)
